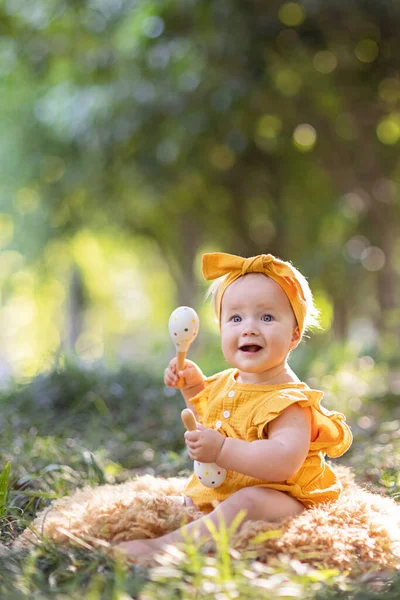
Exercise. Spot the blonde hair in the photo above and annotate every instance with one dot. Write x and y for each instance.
(311, 320)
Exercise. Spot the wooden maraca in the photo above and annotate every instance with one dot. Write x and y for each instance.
(209, 474)
(183, 328)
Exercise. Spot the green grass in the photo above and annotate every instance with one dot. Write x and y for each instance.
(72, 427)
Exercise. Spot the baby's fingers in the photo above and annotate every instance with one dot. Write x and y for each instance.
(170, 378)
(192, 436)
(192, 443)
(173, 364)
(191, 449)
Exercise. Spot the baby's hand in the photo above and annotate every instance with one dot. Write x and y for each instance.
(204, 444)
(191, 374)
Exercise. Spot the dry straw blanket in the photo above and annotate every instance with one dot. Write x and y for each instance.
(357, 533)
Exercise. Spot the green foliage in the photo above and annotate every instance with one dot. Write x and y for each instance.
(54, 572)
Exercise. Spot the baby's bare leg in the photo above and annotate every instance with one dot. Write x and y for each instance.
(259, 504)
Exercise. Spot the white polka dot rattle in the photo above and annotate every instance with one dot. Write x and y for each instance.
(209, 474)
(183, 328)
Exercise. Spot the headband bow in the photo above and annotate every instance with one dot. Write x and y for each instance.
(217, 264)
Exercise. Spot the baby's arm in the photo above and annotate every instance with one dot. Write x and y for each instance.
(193, 380)
(277, 458)
(274, 459)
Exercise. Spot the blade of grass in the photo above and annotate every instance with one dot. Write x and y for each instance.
(266, 535)
(4, 478)
(36, 494)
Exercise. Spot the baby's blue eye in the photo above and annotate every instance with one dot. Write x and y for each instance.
(236, 319)
(267, 318)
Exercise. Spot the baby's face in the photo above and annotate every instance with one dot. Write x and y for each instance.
(258, 327)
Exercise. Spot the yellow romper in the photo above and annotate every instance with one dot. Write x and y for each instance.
(242, 411)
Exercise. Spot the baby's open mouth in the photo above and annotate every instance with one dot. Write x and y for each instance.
(250, 348)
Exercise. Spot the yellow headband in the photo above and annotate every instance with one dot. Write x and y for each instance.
(216, 264)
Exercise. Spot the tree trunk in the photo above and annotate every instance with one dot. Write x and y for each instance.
(75, 309)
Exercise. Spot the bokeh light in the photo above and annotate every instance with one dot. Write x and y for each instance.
(291, 14)
(366, 50)
(269, 126)
(325, 62)
(373, 258)
(288, 82)
(388, 131)
(355, 247)
(305, 137)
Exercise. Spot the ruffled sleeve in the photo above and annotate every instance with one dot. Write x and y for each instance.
(329, 432)
(201, 399)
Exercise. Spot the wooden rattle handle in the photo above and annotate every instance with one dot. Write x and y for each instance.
(180, 365)
(189, 420)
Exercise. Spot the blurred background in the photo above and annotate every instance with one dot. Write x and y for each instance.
(138, 134)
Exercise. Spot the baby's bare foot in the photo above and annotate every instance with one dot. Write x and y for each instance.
(139, 548)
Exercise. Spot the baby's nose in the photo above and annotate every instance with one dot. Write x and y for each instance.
(250, 328)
